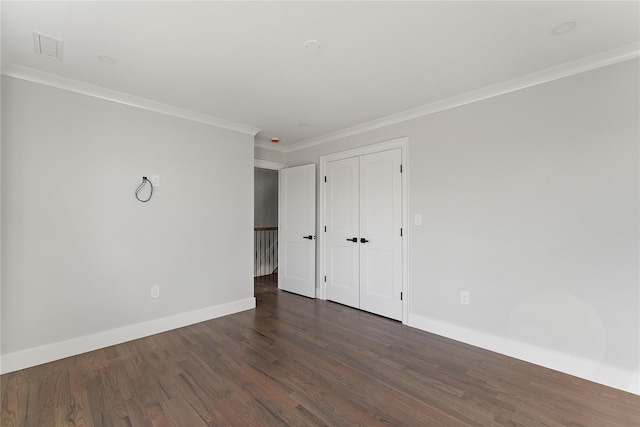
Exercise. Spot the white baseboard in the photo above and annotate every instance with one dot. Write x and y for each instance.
(59, 350)
(611, 376)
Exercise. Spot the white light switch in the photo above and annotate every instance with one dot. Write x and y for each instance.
(417, 219)
(155, 180)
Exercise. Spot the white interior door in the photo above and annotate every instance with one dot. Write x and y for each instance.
(342, 205)
(296, 230)
(381, 233)
(363, 201)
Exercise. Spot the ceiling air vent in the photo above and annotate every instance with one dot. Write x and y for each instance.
(47, 46)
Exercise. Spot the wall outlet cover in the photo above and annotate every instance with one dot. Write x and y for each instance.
(464, 297)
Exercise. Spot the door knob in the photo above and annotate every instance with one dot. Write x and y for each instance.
(310, 237)
(354, 240)
(363, 240)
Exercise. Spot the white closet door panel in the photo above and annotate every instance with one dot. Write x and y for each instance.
(342, 222)
(380, 228)
(377, 275)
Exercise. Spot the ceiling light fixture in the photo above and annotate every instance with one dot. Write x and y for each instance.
(106, 59)
(312, 45)
(275, 140)
(563, 28)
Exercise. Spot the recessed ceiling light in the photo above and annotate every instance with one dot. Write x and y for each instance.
(303, 124)
(107, 59)
(563, 28)
(275, 140)
(312, 45)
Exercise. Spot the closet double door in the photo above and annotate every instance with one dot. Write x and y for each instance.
(363, 250)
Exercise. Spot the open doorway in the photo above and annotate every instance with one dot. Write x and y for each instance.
(265, 232)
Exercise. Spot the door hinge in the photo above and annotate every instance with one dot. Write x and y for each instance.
(400, 168)
(325, 279)
(325, 228)
(400, 296)
(401, 232)
(325, 178)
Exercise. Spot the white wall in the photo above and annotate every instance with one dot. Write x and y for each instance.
(529, 202)
(79, 252)
(265, 188)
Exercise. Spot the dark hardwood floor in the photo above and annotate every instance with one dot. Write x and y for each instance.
(298, 361)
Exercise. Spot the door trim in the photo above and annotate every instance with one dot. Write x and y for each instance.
(401, 143)
(267, 164)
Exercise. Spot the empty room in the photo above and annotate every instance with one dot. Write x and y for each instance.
(320, 213)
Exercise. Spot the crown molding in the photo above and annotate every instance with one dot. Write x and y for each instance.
(35, 76)
(271, 146)
(582, 65)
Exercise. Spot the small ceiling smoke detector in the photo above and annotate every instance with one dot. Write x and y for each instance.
(107, 59)
(563, 28)
(275, 140)
(312, 45)
(47, 46)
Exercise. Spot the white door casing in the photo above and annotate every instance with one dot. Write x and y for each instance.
(296, 230)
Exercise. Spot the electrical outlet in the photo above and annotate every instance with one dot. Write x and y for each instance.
(155, 291)
(417, 219)
(155, 180)
(464, 297)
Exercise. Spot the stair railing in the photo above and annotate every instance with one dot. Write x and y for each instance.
(265, 248)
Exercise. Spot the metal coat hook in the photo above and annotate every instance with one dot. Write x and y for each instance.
(144, 181)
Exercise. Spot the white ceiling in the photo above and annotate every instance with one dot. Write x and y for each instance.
(246, 62)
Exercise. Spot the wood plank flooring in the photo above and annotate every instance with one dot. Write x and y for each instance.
(297, 361)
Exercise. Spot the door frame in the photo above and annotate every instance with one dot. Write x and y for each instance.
(267, 164)
(401, 143)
